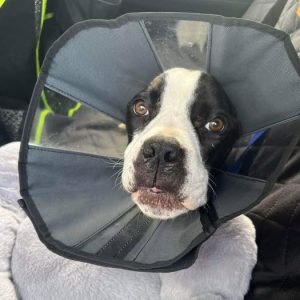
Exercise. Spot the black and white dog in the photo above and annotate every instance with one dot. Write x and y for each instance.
(179, 127)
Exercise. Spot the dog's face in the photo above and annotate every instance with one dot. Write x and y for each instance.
(179, 127)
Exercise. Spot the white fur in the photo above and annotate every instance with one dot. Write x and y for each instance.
(173, 120)
(158, 213)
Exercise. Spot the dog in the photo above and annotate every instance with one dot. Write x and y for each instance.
(181, 127)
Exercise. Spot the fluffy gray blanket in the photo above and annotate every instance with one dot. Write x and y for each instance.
(11, 217)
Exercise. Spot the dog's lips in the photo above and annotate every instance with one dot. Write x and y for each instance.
(155, 190)
(157, 198)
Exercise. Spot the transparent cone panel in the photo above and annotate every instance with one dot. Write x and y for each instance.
(179, 43)
(62, 123)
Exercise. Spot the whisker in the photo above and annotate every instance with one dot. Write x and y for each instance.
(212, 181)
(116, 174)
(115, 163)
(212, 189)
(118, 182)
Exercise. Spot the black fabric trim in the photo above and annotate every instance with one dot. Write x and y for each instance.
(208, 217)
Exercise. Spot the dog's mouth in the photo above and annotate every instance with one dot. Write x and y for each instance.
(157, 203)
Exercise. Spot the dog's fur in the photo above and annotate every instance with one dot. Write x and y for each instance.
(167, 165)
(181, 104)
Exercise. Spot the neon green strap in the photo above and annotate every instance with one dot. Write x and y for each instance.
(49, 16)
(1, 3)
(40, 125)
(37, 51)
(73, 110)
(48, 110)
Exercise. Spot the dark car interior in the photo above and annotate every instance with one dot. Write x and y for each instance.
(27, 30)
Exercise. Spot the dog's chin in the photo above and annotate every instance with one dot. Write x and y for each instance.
(159, 204)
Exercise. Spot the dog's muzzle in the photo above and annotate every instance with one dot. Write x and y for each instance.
(159, 171)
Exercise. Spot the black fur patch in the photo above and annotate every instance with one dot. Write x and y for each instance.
(151, 95)
(211, 102)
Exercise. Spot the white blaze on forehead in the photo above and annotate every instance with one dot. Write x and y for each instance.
(176, 99)
(179, 90)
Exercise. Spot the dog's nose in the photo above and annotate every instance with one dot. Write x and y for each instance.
(164, 151)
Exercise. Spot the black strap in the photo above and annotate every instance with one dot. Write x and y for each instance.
(121, 244)
(208, 215)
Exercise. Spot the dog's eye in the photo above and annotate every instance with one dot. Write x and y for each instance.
(140, 108)
(216, 125)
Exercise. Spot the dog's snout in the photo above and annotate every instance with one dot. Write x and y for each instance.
(160, 165)
(162, 151)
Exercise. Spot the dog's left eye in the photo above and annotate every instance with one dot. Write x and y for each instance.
(140, 108)
(216, 125)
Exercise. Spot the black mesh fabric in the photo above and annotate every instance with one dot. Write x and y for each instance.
(277, 222)
(12, 121)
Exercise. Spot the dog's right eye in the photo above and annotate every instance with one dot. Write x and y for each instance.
(140, 108)
(216, 125)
